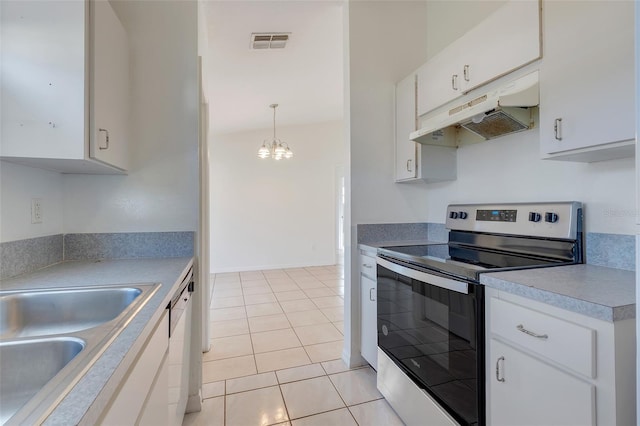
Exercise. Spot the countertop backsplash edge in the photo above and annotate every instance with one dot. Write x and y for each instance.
(28, 255)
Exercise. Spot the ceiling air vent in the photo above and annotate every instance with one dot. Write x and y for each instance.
(261, 41)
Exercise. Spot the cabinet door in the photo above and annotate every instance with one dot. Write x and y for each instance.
(128, 403)
(523, 390)
(586, 76)
(406, 167)
(110, 87)
(440, 79)
(43, 74)
(369, 321)
(508, 39)
(153, 413)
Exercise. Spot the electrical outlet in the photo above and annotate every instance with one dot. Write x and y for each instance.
(36, 210)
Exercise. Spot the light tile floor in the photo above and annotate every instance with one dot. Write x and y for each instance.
(276, 342)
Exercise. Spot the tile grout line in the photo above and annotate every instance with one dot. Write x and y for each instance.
(224, 413)
(253, 350)
(284, 401)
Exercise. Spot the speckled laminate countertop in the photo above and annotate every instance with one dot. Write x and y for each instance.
(603, 293)
(86, 400)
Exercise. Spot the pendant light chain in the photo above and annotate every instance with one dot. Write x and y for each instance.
(274, 106)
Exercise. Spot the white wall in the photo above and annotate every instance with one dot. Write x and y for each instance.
(269, 214)
(385, 41)
(388, 40)
(160, 192)
(18, 185)
(509, 169)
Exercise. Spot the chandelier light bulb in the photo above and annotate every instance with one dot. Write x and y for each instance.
(264, 152)
(288, 153)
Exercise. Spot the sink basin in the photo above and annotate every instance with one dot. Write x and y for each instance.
(26, 366)
(48, 312)
(50, 338)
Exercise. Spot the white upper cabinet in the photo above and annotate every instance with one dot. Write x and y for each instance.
(109, 88)
(587, 91)
(61, 77)
(439, 79)
(405, 124)
(431, 163)
(43, 103)
(506, 40)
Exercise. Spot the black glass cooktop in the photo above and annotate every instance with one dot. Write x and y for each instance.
(462, 261)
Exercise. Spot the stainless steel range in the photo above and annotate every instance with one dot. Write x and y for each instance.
(431, 304)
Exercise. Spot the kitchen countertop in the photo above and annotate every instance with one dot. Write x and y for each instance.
(90, 395)
(603, 293)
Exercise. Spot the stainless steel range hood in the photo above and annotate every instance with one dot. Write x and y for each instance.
(496, 113)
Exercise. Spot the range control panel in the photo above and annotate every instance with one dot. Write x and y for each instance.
(497, 215)
(552, 220)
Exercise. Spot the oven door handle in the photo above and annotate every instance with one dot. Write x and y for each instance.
(449, 284)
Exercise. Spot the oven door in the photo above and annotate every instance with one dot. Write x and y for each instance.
(432, 328)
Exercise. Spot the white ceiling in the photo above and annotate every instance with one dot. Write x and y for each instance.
(305, 78)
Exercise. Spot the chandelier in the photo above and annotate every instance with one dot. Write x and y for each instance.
(275, 148)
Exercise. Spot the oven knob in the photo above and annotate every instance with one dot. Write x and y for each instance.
(453, 215)
(534, 217)
(463, 215)
(550, 217)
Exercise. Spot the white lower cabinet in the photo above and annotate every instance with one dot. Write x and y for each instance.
(549, 366)
(527, 391)
(369, 310)
(153, 412)
(142, 397)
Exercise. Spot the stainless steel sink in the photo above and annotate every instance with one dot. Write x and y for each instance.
(49, 338)
(26, 366)
(43, 313)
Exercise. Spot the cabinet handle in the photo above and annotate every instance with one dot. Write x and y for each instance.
(466, 73)
(367, 266)
(409, 165)
(107, 139)
(498, 378)
(520, 327)
(370, 294)
(557, 129)
(454, 81)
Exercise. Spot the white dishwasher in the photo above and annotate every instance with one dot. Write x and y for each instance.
(179, 344)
